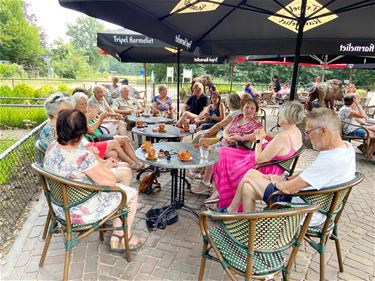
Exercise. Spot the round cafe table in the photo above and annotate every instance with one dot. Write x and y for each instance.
(177, 169)
(171, 133)
(150, 119)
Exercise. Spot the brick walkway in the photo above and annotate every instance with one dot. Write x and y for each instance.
(174, 253)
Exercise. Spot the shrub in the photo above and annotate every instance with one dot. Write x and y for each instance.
(12, 70)
(15, 116)
(6, 91)
(44, 92)
(64, 89)
(23, 90)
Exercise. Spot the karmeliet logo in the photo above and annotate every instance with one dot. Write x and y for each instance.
(357, 48)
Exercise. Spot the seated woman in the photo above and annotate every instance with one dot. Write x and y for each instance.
(349, 115)
(121, 144)
(234, 163)
(67, 158)
(241, 128)
(162, 104)
(212, 114)
(251, 91)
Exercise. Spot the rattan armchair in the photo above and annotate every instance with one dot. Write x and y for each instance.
(365, 139)
(254, 244)
(288, 165)
(331, 201)
(67, 194)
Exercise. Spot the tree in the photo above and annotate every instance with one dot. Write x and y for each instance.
(68, 62)
(83, 35)
(19, 39)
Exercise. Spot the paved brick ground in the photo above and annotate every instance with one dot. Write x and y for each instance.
(174, 253)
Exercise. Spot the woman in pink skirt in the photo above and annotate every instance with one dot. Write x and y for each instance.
(234, 163)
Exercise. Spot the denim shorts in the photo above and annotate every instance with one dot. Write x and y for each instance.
(358, 133)
(279, 198)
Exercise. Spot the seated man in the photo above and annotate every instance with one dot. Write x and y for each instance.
(195, 105)
(126, 105)
(97, 102)
(334, 165)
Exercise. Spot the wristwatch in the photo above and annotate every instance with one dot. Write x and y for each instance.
(257, 141)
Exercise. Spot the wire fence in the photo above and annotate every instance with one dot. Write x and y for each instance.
(18, 184)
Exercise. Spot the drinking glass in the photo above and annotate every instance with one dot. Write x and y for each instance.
(204, 152)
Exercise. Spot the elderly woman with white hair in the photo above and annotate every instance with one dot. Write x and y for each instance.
(234, 163)
(121, 144)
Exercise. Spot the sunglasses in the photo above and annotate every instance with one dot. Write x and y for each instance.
(56, 98)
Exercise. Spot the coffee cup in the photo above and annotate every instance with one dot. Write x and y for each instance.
(161, 127)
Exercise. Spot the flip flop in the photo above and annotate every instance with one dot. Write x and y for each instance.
(211, 206)
(140, 243)
(119, 245)
(201, 189)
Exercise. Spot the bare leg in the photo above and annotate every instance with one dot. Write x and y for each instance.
(121, 129)
(251, 188)
(127, 146)
(114, 145)
(208, 171)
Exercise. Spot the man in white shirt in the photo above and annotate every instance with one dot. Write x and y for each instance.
(334, 165)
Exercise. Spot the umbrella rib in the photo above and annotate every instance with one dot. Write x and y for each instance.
(216, 24)
(179, 10)
(321, 8)
(283, 7)
(346, 9)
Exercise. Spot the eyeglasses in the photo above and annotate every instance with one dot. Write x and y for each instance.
(306, 133)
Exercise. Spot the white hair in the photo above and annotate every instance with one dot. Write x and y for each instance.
(326, 118)
(52, 104)
(77, 97)
(292, 112)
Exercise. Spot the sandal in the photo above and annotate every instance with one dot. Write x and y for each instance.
(214, 198)
(211, 206)
(201, 189)
(118, 245)
(140, 243)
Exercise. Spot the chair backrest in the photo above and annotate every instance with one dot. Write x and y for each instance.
(274, 230)
(262, 116)
(63, 192)
(331, 199)
(288, 165)
(40, 152)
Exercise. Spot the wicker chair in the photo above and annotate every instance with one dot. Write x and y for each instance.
(288, 165)
(331, 201)
(365, 140)
(262, 116)
(40, 152)
(67, 194)
(254, 244)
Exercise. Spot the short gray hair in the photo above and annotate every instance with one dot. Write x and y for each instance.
(162, 88)
(292, 112)
(52, 104)
(326, 118)
(234, 101)
(77, 97)
(122, 87)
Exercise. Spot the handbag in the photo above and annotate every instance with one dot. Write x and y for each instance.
(152, 216)
(149, 183)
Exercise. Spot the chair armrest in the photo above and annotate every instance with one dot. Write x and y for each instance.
(102, 128)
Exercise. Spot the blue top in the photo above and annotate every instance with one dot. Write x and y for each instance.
(162, 106)
(196, 105)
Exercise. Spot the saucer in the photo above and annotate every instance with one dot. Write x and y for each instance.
(183, 160)
(151, 159)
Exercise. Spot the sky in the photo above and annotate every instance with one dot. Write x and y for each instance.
(52, 18)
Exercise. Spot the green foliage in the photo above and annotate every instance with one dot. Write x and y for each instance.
(83, 35)
(20, 40)
(15, 116)
(64, 89)
(23, 90)
(68, 62)
(6, 91)
(12, 70)
(43, 92)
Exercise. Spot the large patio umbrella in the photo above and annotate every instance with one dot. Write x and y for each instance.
(240, 27)
(128, 46)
